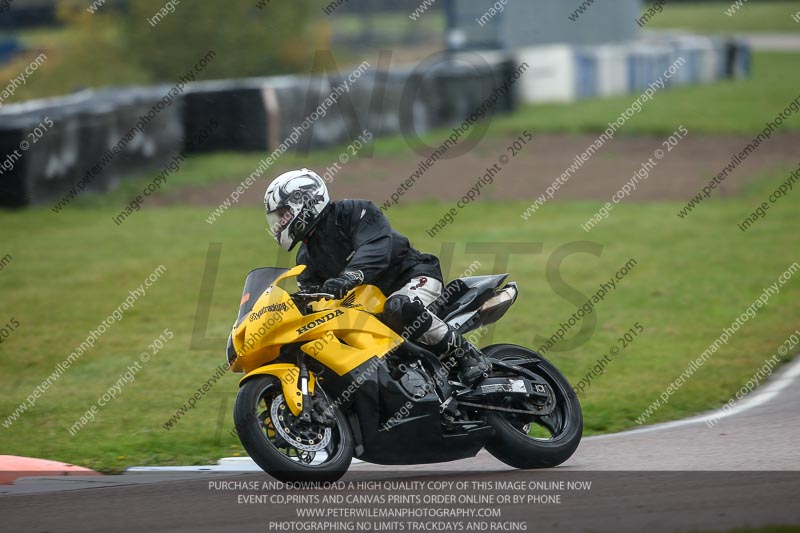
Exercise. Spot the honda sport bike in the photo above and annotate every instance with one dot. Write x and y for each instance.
(326, 380)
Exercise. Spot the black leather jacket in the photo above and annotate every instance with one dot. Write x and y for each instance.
(356, 235)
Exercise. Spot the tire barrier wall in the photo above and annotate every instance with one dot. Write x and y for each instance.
(92, 143)
(259, 114)
(254, 114)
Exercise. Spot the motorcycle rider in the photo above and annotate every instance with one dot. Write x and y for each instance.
(348, 243)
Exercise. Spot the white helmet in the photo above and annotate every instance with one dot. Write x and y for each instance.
(294, 202)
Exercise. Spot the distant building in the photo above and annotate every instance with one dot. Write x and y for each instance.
(512, 24)
(587, 48)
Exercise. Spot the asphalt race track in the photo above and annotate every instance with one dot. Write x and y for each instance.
(679, 476)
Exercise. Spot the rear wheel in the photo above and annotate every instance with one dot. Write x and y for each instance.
(284, 446)
(530, 441)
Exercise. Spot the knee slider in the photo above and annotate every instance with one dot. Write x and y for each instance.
(406, 316)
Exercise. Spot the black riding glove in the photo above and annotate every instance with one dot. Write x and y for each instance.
(341, 285)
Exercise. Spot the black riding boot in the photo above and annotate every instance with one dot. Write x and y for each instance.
(472, 364)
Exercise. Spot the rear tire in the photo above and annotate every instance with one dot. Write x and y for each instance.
(510, 444)
(250, 415)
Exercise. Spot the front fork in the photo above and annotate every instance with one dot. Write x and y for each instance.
(298, 384)
(297, 393)
(303, 378)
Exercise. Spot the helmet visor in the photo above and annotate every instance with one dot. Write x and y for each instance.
(279, 220)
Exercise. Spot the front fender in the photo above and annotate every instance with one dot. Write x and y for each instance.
(290, 383)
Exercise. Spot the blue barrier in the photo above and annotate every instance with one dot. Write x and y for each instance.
(8, 49)
(587, 74)
(614, 69)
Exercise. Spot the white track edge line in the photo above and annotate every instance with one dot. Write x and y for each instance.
(774, 387)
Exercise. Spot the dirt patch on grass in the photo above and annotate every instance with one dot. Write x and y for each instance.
(680, 174)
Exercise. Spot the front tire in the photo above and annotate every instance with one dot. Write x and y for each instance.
(252, 415)
(512, 443)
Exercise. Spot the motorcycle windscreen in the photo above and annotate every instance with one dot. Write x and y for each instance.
(254, 286)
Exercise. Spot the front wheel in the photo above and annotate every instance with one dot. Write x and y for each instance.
(285, 446)
(528, 441)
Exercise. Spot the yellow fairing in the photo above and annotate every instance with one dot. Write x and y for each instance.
(341, 334)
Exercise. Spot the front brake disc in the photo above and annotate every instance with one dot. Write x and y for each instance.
(302, 435)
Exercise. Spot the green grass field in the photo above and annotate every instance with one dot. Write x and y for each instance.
(70, 271)
(728, 107)
(693, 278)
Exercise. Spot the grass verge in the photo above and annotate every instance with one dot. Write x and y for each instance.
(728, 107)
(69, 271)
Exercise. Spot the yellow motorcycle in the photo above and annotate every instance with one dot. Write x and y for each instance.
(326, 380)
